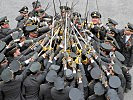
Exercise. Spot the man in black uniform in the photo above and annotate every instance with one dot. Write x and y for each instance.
(3, 62)
(15, 54)
(10, 88)
(127, 43)
(45, 89)
(24, 11)
(4, 27)
(59, 92)
(96, 26)
(23, 16)
(31, 84)
(36, 7)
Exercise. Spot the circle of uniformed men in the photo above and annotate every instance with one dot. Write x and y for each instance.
(64, 57)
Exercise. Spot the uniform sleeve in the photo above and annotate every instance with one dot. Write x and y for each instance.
(41, 77)
(84, 79)
(24, 74)
(131, 58)
(41, 37)
(84, 85)
(73, 84)
(40, 59)
(1, 94)
(41, 92)
(7, 39)
(23, 91)
(45, 29)
(105, 59)
(25, 57)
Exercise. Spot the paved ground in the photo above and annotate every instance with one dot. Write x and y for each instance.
(120, 10)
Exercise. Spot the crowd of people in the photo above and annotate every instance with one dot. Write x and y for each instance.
(64, 56)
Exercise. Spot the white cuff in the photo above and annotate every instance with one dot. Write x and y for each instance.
(96, 57)
(80, 81)
(74, 71)
(35, 48)
(27, 61)
(16, 40)
(61, 46)
(108, 73)
(89, 38)
(55, 58)
(65, 68)
(91, 35)
(20, 44)
(50, 61)
(92, 61)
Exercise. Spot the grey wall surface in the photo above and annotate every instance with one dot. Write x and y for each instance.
(120, 10)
